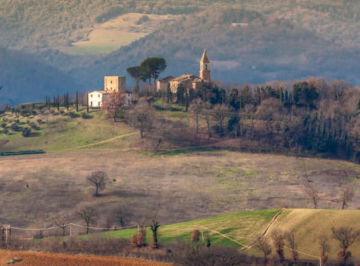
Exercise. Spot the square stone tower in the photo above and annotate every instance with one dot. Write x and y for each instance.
(114, 83)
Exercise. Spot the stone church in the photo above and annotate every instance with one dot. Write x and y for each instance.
(189, 81)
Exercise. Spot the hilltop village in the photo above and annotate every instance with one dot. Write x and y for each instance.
(97, 98)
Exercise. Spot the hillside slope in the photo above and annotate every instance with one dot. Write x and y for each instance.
(248, 41)
(27, 78)
(241, 229)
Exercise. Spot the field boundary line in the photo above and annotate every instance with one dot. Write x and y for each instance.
(100, 142)
(223, 235)
(273, 220)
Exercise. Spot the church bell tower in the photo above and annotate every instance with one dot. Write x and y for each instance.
(205, 68)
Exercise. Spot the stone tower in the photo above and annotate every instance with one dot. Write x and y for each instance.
(205, 67)
(114, 83)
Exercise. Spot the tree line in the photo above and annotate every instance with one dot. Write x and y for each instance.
(312, 116)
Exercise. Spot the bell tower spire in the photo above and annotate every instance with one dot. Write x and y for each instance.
(205, 67)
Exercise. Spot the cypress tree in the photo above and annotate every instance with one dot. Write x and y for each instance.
(77, 102)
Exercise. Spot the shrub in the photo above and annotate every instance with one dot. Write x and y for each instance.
(3, 125)
(34, 126)
(195, 237)
(15, 127)
(26, 132)
(73, 114)
(86, 116)
(217, 255)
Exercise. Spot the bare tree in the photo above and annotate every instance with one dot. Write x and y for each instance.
(142, 116)
(89, 215)
(325, 248)
(279, 243)
(61, 222)
(347, 194)
(290, 238)
(154, 227)
(346, 236)
(115, 104)
(98, 179)
(313, 194)
(262, 244)
(220, 112)
(195, 109)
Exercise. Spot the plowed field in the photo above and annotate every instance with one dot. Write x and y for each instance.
(45, 259)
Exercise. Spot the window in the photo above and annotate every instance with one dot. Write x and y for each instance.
(98, 103)
(91, 95)
(99, 95)
(90, 103)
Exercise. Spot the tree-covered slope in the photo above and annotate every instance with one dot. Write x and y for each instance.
(27, 78)
(248, 41)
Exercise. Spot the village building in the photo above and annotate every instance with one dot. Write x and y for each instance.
(114, 83)
(96, 99)
(188, 81)
(163, 84)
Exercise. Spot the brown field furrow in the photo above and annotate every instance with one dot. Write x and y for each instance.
(47, 259)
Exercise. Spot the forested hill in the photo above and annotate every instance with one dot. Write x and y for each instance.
(249, 41)
(25, 77)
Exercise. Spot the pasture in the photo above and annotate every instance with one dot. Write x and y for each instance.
(118, 32)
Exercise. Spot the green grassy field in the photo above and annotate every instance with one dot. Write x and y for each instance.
(61, 133)
(118, 32)
(241, 229)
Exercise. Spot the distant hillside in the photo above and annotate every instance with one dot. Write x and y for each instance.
(27, 78)
(248, 41)
(245, 47)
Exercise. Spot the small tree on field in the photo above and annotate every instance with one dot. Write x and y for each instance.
(262, 244)
(324, 247)
(138, 239)
(346, 236)
(196, 109)
(61, 222)
(154, 227)
(195, 237)
(141, 117)
(278, 241)
(115, 105)
(88, 214)
(219, 113)
(290, 238)
(313, 194)
(347, 194)
(98, 179)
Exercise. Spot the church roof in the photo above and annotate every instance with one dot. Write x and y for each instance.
(185, 77)
(205, 58)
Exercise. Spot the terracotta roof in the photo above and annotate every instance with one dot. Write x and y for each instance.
(185, 77)
(167, 79)
(205, 58)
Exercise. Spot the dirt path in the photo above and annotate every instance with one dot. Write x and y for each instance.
(47, 259)
(221, 234)
(273, 220)
(104, 141)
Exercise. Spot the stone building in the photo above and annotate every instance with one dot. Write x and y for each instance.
(189, 81)
(96, 99)
(205, 68)
(162, 84)
(114, 83)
